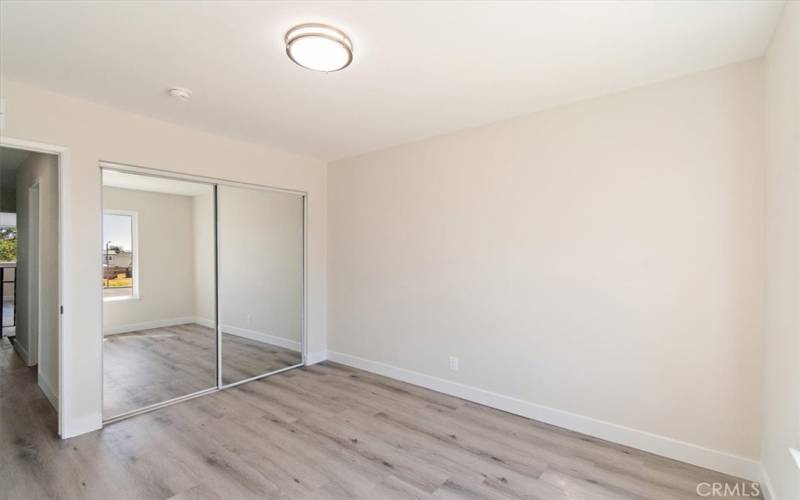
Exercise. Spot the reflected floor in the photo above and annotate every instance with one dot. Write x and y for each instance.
(151, 366)
(243, 358)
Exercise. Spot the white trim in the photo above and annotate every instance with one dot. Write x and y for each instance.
(82, 425)
(660, 445)
(171, 174)
(304, 284)
(48, 391)
(316, 357)
(121, 298)
(34, 219)
(147, 325)
(64, 240)
(23, 353)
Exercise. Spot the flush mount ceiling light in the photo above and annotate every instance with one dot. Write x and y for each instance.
(319, 47)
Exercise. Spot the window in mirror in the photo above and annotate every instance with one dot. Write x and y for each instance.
(120, 266)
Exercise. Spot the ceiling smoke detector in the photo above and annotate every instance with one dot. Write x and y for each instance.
(181, 93)
(319, 47)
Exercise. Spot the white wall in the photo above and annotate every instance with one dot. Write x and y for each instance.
(43, 169)
(166, 259)
(93, 133)
(782, 329)
(604, 259)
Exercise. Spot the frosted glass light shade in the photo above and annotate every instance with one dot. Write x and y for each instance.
(319, 47)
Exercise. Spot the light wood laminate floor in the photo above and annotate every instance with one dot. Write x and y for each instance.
(155, 365)
(325, 431)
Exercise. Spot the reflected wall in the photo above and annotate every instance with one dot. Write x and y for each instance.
(156, 266)
(260, 281)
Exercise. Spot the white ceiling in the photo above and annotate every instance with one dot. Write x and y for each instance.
(420, 69)
(114, 178)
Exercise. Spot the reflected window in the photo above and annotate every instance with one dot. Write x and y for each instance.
(120, 266)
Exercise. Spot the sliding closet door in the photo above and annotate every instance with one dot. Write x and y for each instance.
(260, 281)
(159, 290)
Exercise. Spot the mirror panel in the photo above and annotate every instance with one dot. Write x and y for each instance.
(159, 291)
(260, 281)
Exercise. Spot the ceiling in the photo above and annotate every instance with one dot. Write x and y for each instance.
(114, 178)
(420, 68)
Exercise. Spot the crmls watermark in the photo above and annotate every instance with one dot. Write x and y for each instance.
(722, 490)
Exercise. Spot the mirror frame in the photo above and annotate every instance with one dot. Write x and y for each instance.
(215, 183)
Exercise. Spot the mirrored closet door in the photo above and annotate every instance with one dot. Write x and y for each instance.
(159, 290)
(203, 286)
(260, 281)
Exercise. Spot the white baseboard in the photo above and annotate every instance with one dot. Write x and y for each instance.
(23, 353)
(48, 391)
(313, 358)
(253, 335)
(81, 425)
(159, 323)
(660, 445)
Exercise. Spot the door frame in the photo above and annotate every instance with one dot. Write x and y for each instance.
(34, 254)
(64, 396)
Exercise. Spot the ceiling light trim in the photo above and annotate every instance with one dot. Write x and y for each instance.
(318, 30)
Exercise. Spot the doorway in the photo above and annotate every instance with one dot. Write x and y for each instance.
(30, 218)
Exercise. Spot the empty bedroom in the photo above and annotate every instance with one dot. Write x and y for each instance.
(400, 249)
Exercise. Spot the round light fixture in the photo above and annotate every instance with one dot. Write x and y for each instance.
(319, 47)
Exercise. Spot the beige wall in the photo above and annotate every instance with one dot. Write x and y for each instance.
(604, 259)
(94, 133)
(782, 332)
(41, 168)
(204, 240)
(166, 259)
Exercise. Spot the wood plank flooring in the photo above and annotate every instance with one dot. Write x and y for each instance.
(320, 432)
(155, 365)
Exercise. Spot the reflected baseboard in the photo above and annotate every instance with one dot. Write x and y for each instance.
(229, 329)
(146, 325)
(253, 335)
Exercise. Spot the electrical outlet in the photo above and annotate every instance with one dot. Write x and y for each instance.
(454, 363)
